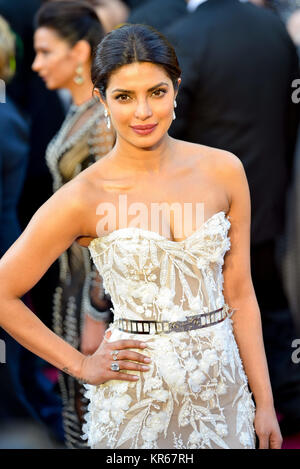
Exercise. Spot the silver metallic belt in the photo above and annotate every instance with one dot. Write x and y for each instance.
(164, 327)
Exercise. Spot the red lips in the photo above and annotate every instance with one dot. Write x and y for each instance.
(144, 127)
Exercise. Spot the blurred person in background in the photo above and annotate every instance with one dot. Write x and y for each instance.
(289, 253)
(260, 3)
(158, 14)
(14, 147)
(263, 3)
(30, 95)
(25, 393)
(132, 4)
(111, 12)
(236, 95)
(66, 34)
(284, 8)
(33, 380)
(293, 26)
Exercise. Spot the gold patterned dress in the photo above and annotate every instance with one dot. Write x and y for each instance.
(196, 393)
(80, 142)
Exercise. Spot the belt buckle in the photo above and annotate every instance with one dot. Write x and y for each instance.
(166, 327)
(162, 327)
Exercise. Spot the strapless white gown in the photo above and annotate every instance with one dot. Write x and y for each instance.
(196, 393)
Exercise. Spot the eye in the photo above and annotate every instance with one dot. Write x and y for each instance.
(159, 92)
(122, 97)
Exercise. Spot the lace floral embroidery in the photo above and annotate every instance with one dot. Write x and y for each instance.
(196, 392)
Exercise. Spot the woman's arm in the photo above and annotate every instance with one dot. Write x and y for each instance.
(53, 228)
(240, 295)
(96, 308)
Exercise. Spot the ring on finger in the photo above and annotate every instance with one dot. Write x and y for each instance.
(114, 354)
(114, 366)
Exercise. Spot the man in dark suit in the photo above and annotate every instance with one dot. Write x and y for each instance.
(238, 64)
(158, 13)
(135, 3)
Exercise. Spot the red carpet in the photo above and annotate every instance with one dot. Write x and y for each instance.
(291, 442)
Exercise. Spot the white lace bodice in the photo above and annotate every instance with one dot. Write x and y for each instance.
(150, 277)
(196, 392)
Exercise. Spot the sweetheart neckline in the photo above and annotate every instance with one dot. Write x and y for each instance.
(157, 235)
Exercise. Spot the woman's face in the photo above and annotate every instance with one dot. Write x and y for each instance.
(140, 101)
(55, 60)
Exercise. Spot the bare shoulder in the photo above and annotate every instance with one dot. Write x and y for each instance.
(224, 164)
(220, 163)
(82, 195)
(72, 196)
(219, 159)
(80, 191)
(67, 208)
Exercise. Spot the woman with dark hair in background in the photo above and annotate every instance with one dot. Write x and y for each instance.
(65, 37)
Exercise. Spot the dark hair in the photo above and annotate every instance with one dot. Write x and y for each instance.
(71, 20)
(129, 44)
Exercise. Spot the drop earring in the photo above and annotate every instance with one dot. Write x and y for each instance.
(175, 105)
(78, 79)
(107, 119)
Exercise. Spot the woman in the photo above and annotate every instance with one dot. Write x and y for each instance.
(195, 393)
(64, 40)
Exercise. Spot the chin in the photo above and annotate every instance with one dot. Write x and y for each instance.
(51, 85)
(148, 141)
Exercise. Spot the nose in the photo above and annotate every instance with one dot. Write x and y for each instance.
(36, 64)
(143, 110)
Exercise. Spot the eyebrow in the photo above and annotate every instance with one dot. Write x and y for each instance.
(131, 92)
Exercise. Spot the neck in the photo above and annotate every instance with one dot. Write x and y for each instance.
(81, 93)
(142, 160)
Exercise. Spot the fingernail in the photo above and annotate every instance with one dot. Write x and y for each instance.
(147, 360)
(144, 344)
(135, 377)
(145, 368)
